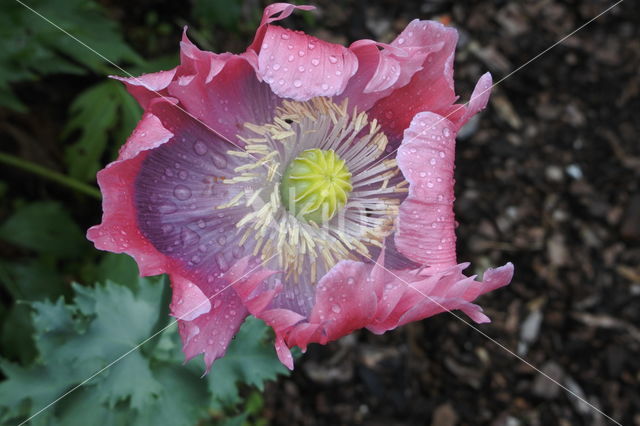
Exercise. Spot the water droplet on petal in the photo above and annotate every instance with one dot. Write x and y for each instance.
(182, 192)
(167, 208)
(219, 161)
(237, 251)
(351, 280)
(222, 241)
(315, 62)
(446, 132)
(333, 59)
(301, 68)
(432, 161)
(290, 58)
(200, 148)
(441, 154)
(169, 172)
(189, 237)
(183, 175)
(401, 40)
(325, 86)
(297, 83)
(285, 36)
(217, 303)
(301, 53)
(276, 67)
(336, 309)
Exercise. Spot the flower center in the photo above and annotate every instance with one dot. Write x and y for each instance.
(315, 159)
(315, 185)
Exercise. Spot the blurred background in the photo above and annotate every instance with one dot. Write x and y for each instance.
(548, 177)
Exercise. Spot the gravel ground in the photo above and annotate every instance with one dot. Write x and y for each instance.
(548, 178)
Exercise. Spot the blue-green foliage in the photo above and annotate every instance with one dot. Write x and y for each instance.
(148, 385)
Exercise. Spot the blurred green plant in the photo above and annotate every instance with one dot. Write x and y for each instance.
(144, 387)
(31, 47)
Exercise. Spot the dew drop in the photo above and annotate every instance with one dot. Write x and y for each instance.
(200, 148)
(290, 58)
(167, 208)
(430, 184)
(336, 309)
(183, 175)
(217, 303)
(169, 172)
(219, 161)
(300, 53)
(333, 59)
(423, 174)
(265, 45)
(189, 237)
(297, 83)
(315, 62)
(401, 40)
(166, 228)
(196, 259)
(281, 82)
(285, 36)
(202, 224)
(237, 251)
(446, 132)
(441, 154)
(222, 241)
(311, 46)
(222, 262)
(325, 86)
(432, 161)
(276, 67)
(301, 68)
(182, 192)
(351, 280)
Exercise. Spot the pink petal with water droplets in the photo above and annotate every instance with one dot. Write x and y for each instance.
(148, 86)
(188, 302)
(426, 223)
(430, 89)
(300, 67)
(380, 72)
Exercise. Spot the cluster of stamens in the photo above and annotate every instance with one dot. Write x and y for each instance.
(317, 193)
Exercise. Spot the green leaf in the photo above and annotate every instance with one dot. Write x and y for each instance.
(119, 268)
(249, 360)
(96, 112)
(31, 47)
(44, 227)
(17, 333)
(31, 280)
(75, 341)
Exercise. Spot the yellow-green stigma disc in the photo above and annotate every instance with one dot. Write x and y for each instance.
(315, 185)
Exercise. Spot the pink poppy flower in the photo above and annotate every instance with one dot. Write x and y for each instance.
(302, 182)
